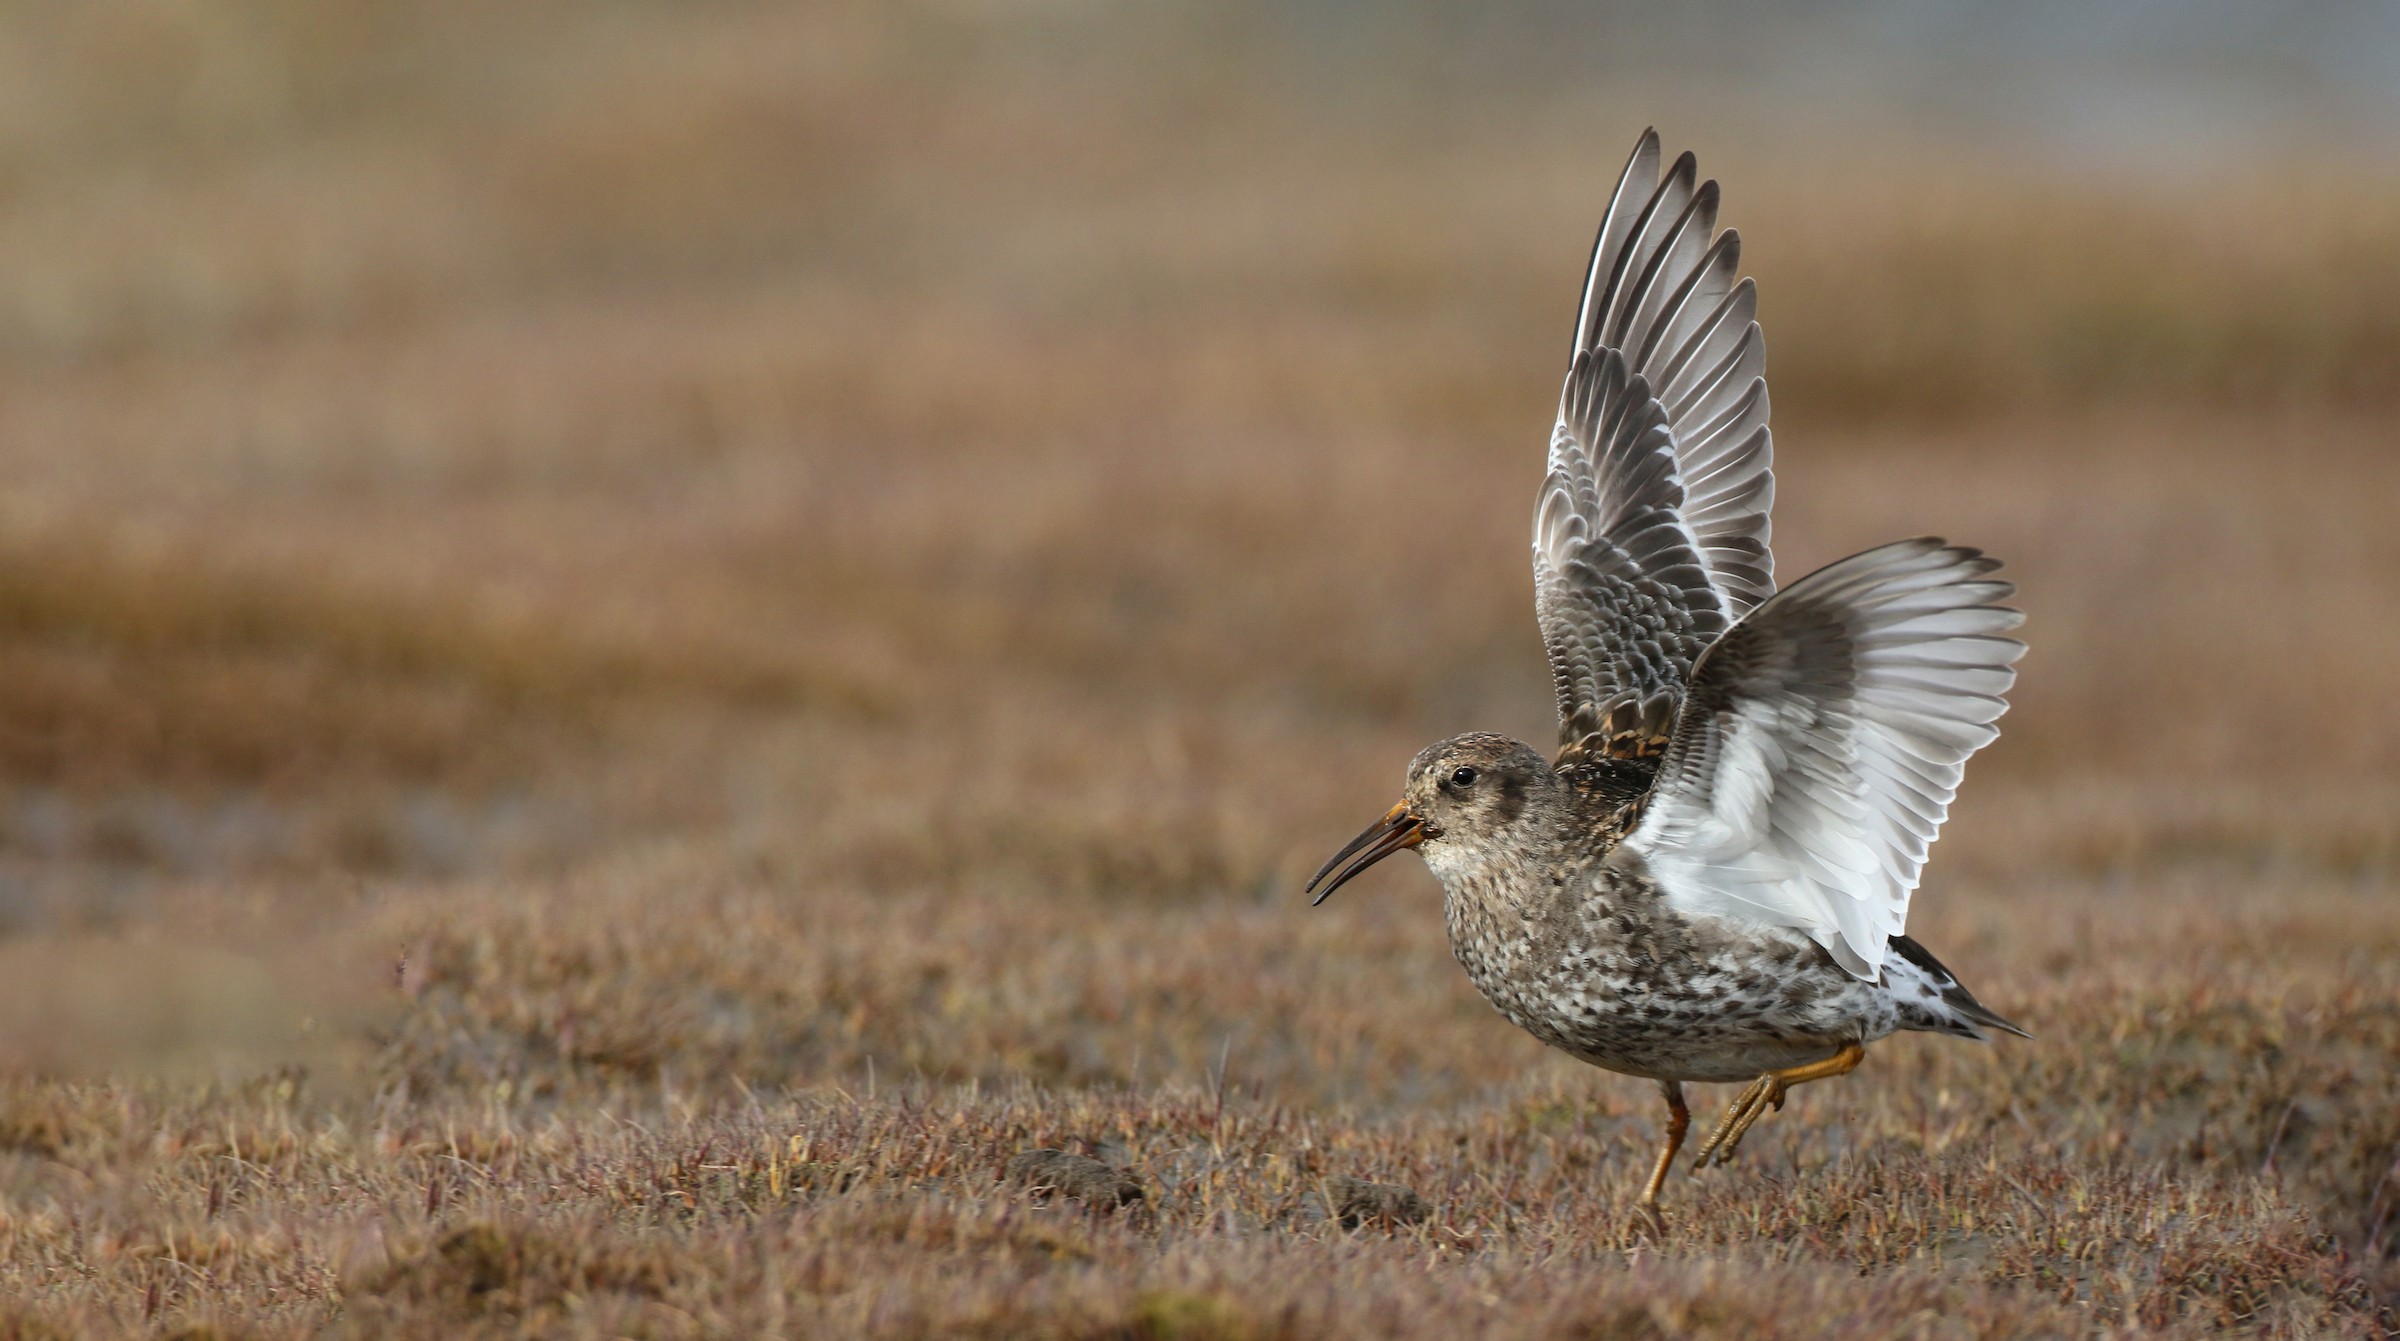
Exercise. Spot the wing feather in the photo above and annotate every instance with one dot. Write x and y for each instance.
(1821, 743)
(1651, 534)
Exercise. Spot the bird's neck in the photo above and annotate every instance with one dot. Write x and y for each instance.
(1557, 843)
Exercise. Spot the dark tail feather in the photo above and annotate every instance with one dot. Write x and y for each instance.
(1964, 1002)
(1954, 993)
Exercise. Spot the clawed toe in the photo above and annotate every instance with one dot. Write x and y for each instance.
(1765, 1093)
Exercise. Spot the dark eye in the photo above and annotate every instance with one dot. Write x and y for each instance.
(1462, 777)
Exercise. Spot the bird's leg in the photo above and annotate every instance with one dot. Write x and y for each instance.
(1679, 1121)
(1767, 1092)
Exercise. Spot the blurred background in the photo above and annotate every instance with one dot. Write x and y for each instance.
(632, 545)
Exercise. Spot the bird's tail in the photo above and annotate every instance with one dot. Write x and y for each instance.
(1939, 1002)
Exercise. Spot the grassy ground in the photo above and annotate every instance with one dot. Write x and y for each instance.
(637, 644)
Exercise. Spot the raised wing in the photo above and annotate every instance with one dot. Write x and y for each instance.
(1650, 536)
(1822, 741)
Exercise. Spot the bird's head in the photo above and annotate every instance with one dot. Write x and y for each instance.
(1468, 799)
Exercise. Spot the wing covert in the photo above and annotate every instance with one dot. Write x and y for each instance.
(1625, 603)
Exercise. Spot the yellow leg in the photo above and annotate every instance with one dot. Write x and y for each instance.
(1767, 1092)
(1679, 1121)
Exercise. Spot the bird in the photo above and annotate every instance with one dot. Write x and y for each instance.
(1709, 879)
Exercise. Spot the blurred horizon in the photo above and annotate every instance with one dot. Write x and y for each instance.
(2146, 87)
(208, 175)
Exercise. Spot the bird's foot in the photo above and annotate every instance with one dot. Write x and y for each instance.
(1764, 1093)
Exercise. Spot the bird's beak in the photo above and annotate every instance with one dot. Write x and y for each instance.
(1399, 828)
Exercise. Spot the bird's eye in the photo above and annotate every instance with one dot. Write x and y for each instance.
(1462, 777)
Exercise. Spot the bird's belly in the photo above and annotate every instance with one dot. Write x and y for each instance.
(1728, 1059)
(1693, 1024)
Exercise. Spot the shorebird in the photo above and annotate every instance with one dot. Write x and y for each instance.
(1710, 880)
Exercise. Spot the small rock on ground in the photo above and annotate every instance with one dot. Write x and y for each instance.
(1357, 1201)
(1079, 1176)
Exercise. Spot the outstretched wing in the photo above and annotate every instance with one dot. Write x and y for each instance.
(1822, 741)
(1650, 536)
